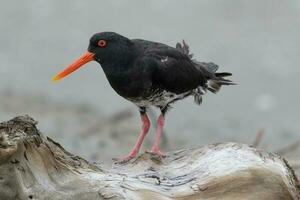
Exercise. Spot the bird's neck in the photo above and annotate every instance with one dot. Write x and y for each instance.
(119, 76)
(119, 62)
(122, 74)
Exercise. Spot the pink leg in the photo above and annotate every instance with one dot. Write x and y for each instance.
(160, 125)
(137, 146)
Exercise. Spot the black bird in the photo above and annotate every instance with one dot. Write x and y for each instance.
(150, 74)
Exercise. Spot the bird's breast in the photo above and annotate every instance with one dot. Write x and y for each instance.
(130, 85)
(142, 92)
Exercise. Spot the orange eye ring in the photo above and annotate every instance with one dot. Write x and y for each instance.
(101, 43)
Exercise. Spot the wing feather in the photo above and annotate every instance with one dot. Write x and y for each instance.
(174, 71)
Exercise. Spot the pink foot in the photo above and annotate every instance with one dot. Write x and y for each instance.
(137, 146)
(127, 158)
(155, 147)
(156, 151)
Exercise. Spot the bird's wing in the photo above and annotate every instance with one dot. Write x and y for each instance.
(174, 71)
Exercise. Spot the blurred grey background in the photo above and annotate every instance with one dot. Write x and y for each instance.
(258, 41)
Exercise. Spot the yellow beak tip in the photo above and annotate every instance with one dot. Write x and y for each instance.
(55, 78)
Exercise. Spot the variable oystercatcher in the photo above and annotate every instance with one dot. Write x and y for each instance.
(149, 74)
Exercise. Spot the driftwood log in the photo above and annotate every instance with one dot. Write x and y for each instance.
(35, 167)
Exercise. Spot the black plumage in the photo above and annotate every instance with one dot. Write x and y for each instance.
(150, 74)
(143, 71)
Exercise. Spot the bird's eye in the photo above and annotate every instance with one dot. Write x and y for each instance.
(101, 43)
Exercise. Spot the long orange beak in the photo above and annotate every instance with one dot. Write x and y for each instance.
(83, 59)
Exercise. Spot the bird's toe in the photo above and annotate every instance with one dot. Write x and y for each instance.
(157, 153)
(124, 159)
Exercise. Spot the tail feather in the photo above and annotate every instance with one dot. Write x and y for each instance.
(216, 79)
(216, 83)
(223, 74)
(198, 95)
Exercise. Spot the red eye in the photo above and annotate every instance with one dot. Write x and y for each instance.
(101, 43)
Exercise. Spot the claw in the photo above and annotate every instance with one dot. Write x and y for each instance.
(124, 159)
(158, 153)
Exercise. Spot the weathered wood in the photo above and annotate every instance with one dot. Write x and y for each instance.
(35, 167)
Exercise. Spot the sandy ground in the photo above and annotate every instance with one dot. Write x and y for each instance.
(256, 40)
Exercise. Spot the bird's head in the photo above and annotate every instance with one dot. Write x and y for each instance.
(104, 47)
